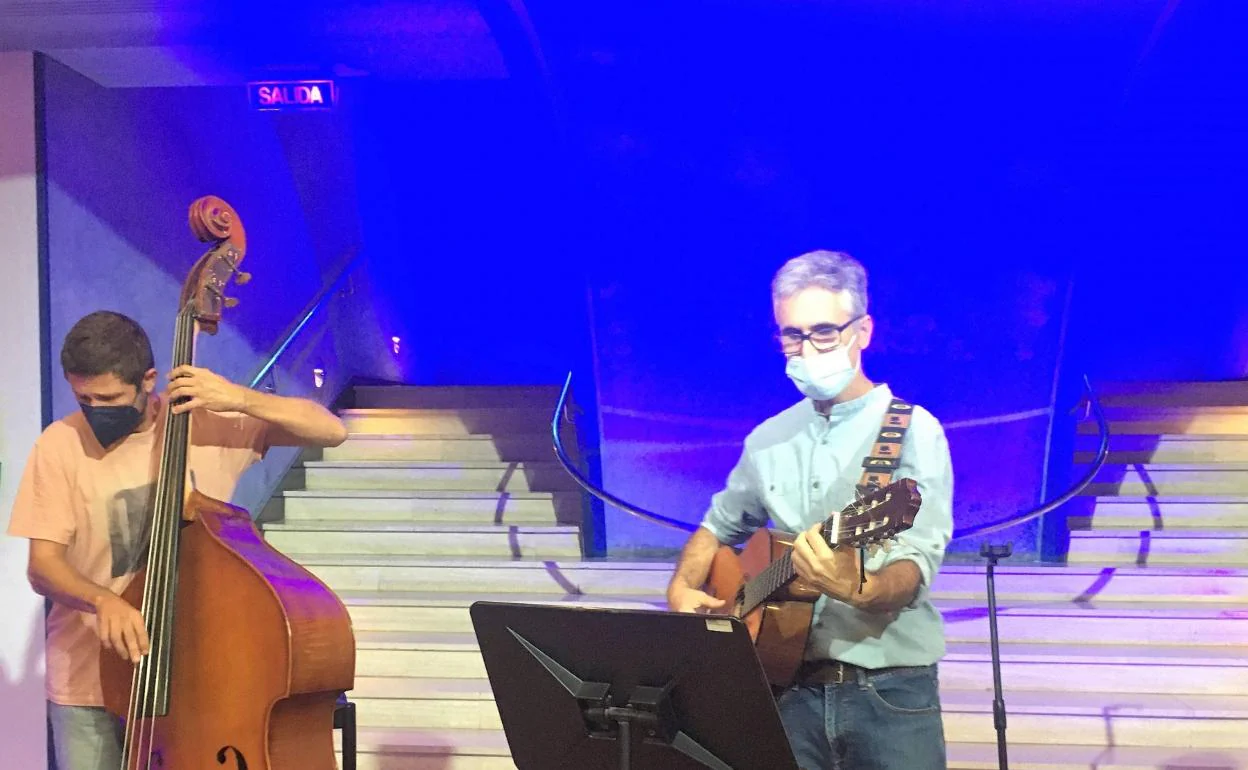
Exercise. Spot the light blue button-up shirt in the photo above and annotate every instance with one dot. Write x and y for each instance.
(800, 467)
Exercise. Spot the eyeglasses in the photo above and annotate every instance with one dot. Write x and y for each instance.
(823, 337)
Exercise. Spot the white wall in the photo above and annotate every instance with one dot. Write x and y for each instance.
(22, 708)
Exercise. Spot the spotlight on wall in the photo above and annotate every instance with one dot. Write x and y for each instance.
(394, 343)
(318, 377)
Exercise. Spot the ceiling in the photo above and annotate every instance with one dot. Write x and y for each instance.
(137, 43)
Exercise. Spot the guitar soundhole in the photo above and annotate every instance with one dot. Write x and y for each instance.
(240, 762)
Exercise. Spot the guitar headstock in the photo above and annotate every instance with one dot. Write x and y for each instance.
(877, 517)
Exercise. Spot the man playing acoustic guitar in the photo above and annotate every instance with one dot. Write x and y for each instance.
(866, 694)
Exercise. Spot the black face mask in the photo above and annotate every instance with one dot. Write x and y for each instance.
(110, 424)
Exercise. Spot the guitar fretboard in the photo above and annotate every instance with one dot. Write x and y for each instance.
(855, 528)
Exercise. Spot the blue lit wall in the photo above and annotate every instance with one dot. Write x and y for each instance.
(1037, 191)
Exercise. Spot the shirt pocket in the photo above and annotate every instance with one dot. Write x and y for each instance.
(785, 500)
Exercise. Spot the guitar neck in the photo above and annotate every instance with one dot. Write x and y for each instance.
(881, 514)
(777, 575)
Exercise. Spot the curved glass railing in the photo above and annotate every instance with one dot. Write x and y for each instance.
(981, 529)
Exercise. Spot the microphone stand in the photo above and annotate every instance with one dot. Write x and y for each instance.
(993, 553)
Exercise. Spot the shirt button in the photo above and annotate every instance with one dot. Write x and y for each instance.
(816, 485)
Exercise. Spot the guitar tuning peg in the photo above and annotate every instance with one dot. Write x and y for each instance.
(231, 301)
(241, 278)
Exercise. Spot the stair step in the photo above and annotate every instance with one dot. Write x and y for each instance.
(398, 749)
(445, 749)
(478, 448)
(410, 653)
(401, 474)
(445, 611)
(455, 396)
(1209, 670)
(427, 506)
(1144, 412)
(423, 704)
(401, 538)
(394, 749)
(1087, 623)
(1181, 394)
(1140, 513)
(1095, 668)
(499, 575)
(1210, 548)
(1080, 718)
(1100, 719)
(1175, 422)
(445, 422)
(1167, 479)
(1048, 756)
(1166, 449)
(1038, 622)
(1186, 586)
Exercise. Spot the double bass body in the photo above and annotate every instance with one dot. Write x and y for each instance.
(261, 650)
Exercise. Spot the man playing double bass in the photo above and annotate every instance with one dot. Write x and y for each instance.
(866, 695)
(85, 503)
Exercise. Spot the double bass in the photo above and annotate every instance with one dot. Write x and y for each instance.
(249, 652)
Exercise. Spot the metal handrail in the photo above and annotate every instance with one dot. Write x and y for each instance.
(1102, 453)
(313, 308)
(996, 526)
(589, 486)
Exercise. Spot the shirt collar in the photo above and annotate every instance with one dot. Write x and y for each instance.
(847, 409)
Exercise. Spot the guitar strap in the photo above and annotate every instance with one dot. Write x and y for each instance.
(885, 457)
(882, 462)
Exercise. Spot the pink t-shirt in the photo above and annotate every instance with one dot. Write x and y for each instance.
(98, 504)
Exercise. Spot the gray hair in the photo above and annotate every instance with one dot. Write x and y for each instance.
(835, 271)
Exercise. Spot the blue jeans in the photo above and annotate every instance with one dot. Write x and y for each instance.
(882, 721)
(85, 737)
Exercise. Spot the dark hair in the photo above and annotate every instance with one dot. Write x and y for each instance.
(105, 342)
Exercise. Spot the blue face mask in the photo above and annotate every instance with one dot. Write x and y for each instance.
(824, 376)
(110, 424)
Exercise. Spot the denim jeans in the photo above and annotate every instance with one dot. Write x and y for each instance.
(85, 737)
(883, 721)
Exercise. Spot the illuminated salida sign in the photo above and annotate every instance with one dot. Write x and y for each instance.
(293, 95)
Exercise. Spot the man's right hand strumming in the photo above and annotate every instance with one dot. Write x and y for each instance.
(682, 598)
(121, 627)
(692, 569)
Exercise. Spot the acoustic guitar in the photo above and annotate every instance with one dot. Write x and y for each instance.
(763, 590)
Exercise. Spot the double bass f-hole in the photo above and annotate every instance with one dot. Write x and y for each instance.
(223, 756)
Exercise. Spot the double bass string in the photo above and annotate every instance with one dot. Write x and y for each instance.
(161, 569)
(141, 691)
(175, 487)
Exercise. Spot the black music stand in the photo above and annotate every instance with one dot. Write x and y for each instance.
(598, 689)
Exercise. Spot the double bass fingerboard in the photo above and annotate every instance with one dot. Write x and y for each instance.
(150, 689)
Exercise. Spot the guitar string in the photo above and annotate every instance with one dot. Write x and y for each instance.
(780, 571)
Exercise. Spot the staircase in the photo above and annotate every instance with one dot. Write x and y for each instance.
(1133, 656)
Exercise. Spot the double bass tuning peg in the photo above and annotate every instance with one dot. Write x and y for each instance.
(240, 277)
(230, 301)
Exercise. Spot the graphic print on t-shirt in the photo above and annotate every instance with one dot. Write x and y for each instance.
(129, 528)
